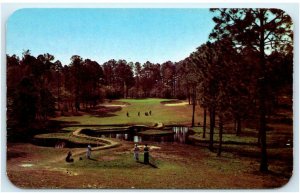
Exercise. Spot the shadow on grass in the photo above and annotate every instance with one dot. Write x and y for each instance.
(26, 134)
(280, 174)
(59, 124)
(93, 159)
(12, 155)
(152, 165)
(103, 111)
(170, 101)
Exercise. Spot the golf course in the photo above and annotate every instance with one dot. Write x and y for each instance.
(150, 98)
(173, 164)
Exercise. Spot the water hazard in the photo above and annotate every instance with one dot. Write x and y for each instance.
(177, 134)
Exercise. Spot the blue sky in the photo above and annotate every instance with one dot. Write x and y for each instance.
(156, 35)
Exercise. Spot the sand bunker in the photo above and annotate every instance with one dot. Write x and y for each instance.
(177, 104)
(114, 105)
(141, 147)
(26, 165)
(154, 147)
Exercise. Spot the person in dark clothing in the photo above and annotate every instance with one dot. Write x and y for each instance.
(150, 112)
(69, 157)
(127, 114)
(146, 154)
(138, 113)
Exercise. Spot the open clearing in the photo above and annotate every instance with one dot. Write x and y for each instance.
(117, 115)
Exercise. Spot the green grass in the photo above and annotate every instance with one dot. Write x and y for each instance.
(104, 128)
(227, 138)
(65, 136)
(175, 168)
(156, 132)
(277, 136)
(120, 161)
(178, 166)
(160, 114)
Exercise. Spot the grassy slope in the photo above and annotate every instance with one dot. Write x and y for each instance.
(179, 166)
(160, 114)
(156, 132)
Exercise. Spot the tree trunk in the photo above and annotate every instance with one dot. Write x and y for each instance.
(262, 133)
(194, 104)
(137, 87)
(124, 90)
(188, 93)
(258, 138)
(204, 122)
(238, 126)
(211, 130)
(220, 135)
(174, 86)
(58, 86)
(262, 90)
(235, 125)
(70, 102)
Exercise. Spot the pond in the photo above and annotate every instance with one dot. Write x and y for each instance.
(177, 134)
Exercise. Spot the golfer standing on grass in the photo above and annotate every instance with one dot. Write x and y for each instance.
(136, 152)
(88, 152)
(146, 154)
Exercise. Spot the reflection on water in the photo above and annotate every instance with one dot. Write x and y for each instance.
(123, 136)
(180, 136)
(137, 139)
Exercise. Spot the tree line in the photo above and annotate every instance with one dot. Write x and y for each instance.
(49, 85)
(238, 74)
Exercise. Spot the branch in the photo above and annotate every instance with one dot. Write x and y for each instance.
(273, 20)
(227, 14)
(266, 37)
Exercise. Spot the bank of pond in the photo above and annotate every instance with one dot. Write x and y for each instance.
(136, 134)
(97, 136)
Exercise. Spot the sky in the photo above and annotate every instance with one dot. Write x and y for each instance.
(145, 34)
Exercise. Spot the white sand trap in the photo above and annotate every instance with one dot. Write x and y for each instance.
(114, 105)
(141, 147)
(177, 104)
(26, 165)
(154, 147)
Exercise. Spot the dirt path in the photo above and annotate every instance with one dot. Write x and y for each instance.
(79, 151)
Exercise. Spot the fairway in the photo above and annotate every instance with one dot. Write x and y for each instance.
(188, 166)
(168, 115)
